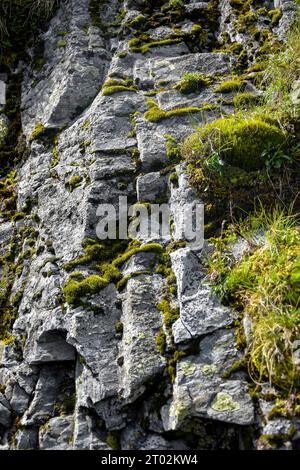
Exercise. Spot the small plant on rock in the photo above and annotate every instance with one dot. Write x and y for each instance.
(193, 82)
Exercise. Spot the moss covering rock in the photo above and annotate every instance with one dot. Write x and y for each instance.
(38, 132)
(228, 86)
(73, 183)
(106, 259)
(238, 141)
(156, 114)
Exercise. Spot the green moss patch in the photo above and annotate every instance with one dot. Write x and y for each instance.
(229, 86)
(170, 315)
(113, 86)
(62, 43)
(122, 283)
(275, 16)
(246, 100)
(156, 114)
(137, 21)
(73, 183)
(38, 132)
(95, 11)
(106, 260)
(117, 89)
(161, 342)
(136, 45)
(173, 148)
(149, 247)
(74, 290)
(237, 141)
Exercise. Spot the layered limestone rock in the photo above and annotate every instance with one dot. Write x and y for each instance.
(90, 374)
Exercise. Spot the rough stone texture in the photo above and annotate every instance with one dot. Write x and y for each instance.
(20, 400)
(27, 439)
(278, 427)
(170, 70)
(2, 93)
(47, 389)
(4, 126)
(5, 412)
(72, 74)
(142, 322)
(57, 434)
(295, 97)
(135, 438)
(74, 374)
(85, 434)
(51, 347)
(151, 187)
(200, 310)
(183, 203)
(199, 390)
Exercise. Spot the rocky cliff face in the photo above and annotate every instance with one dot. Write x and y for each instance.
(136, 364)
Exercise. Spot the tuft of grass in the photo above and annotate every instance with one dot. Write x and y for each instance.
(228, 86)
(193, 82)
(26, 9)
(19, 19)
(55, 157)
(281, 73)
(265, 285)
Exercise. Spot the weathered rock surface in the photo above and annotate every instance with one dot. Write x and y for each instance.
(151, 187)
(199, 390)
(95, 375)
(57, 434)
(4, 126)
(5, 412)
(200, 310)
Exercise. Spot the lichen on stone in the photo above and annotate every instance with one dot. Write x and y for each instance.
(223, 402)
